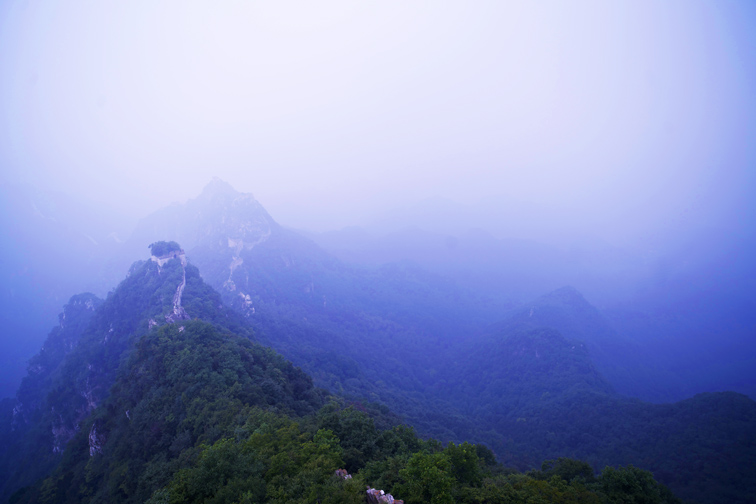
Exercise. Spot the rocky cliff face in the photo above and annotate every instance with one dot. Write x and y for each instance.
(220, 220)
(218, 229)
(35, 425)
(61, 341)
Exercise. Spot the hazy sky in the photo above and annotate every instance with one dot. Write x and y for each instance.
(331, 111)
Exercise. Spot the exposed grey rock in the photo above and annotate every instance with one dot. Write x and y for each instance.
(96, 441)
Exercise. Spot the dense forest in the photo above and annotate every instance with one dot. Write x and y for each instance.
(178, 377)
(540, 380)
(199, 412)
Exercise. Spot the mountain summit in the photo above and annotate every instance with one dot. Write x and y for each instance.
(218, 188)
(219, 218)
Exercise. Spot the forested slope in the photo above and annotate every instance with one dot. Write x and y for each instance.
(152, 405)
(418, 343)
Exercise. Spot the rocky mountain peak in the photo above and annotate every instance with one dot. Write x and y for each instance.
(566, 295)
(218, 188)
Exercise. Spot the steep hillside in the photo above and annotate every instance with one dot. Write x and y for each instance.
(26, 428)
(411, 340)
(256, 264)
(74, 371)
(524, 368)
(632, 370)
(345, 326)
(533, 394)
(184, 384)
(138, 402)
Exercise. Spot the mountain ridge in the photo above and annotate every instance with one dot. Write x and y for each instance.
(184, 396)
(96, 345)
(527, 388)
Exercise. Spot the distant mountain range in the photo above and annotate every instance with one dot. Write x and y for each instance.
(686, 301)
(532, 381)
(160, 394)
(690, 310)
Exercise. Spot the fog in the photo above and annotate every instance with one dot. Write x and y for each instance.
(623, 126)
(621, 117)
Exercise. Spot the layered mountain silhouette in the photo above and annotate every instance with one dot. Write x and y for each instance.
(627, 365)
(158, 393)
(174, 358)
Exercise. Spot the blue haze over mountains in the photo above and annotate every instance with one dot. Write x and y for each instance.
(682, 316)
(511, 149)
(464, 336)
(526, 225)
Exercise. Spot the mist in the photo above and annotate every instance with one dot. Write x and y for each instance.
(614, 120)
(357, 236)
(605, 146)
